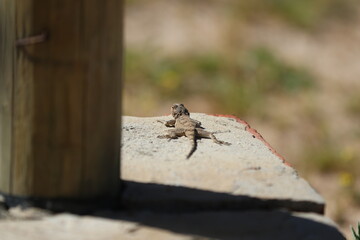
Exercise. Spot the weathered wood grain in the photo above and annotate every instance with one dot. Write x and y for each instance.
(22, 159)
(66, 109)
(7, 39)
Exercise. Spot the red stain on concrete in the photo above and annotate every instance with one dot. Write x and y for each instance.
(255, 135)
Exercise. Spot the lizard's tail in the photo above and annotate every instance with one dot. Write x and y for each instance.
(192, 136)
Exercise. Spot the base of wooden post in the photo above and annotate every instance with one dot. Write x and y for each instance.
(77, 206)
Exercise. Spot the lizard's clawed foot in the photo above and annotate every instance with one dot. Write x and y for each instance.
(223, 143)
(216, 132)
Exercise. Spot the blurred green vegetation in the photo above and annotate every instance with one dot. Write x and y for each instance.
(328, 157)
(306, 14)
(353, 104)
(239, 84)
(356, 233)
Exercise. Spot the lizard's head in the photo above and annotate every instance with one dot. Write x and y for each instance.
(178, 110)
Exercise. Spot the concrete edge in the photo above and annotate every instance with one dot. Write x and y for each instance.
(255, 134)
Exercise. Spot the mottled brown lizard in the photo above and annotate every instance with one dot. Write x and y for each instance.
(188, 127)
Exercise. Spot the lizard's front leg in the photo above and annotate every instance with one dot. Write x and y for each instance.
(170, 123)
(205, 134)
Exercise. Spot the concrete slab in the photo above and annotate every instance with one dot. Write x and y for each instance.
(246, 174)
(247, 225)
(166, 196)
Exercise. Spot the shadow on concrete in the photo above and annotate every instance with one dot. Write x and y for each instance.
(252, 224)
(210, 215)
(203, 214)
(159, 197)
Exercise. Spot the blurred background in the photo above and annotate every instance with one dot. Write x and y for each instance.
(289, 68)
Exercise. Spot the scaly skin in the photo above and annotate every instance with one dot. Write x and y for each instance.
(188, 127)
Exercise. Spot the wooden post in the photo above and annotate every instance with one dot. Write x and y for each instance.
(60, 98)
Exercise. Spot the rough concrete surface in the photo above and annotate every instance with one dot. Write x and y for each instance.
(243, 191)
(246, 225)
(246, 174)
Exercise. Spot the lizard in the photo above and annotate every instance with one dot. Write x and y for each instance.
(185, 126)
